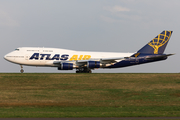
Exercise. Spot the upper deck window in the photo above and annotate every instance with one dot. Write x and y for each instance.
(47, 50)
(33, 50)
(16, 49)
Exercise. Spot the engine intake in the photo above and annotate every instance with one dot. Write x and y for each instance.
(66, 66)
(93, 64)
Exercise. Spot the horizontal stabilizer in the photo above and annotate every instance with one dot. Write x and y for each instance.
(158, 57)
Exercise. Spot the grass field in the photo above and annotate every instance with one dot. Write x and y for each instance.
(89, 95)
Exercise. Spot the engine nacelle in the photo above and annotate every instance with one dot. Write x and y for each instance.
(93, 64)
(66, 66)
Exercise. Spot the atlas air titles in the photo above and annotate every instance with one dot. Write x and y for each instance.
(38, 56)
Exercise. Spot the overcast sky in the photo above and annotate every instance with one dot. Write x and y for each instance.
(89, 25)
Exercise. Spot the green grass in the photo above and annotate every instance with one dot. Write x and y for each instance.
(89, 95)
(50, 112)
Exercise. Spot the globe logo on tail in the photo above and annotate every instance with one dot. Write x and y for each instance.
(159, 41)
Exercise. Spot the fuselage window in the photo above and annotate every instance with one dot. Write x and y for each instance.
(33, 50)
(47, 51)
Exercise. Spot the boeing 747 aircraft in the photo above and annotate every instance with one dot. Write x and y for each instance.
(84, 61)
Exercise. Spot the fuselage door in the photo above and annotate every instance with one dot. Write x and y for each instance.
(41, 58)
(26, 57)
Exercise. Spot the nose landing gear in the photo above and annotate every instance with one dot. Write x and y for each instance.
(21, 69)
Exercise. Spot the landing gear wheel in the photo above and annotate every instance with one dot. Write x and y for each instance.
(21, 69)
(77, 70)
(83, 70)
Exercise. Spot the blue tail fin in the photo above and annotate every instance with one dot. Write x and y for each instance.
(157, 45)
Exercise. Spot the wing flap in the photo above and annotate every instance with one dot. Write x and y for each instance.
(111, 59)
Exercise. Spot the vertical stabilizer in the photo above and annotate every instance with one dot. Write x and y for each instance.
(157, 45)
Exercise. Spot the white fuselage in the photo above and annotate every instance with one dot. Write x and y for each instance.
(34, 56)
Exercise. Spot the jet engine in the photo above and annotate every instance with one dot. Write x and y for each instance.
(66, 66)
(93, 64)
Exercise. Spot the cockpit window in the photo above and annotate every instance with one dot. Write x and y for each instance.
(16, 49)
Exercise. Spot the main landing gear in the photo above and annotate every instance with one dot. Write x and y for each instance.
(21, 69)
(83, 70)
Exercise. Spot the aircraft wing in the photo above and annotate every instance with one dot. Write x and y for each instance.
(84, 62)
(59, 62)
(111, 59)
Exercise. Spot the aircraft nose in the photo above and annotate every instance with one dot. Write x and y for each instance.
(5, 57)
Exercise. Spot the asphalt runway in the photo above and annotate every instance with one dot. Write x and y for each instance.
(120, 118)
